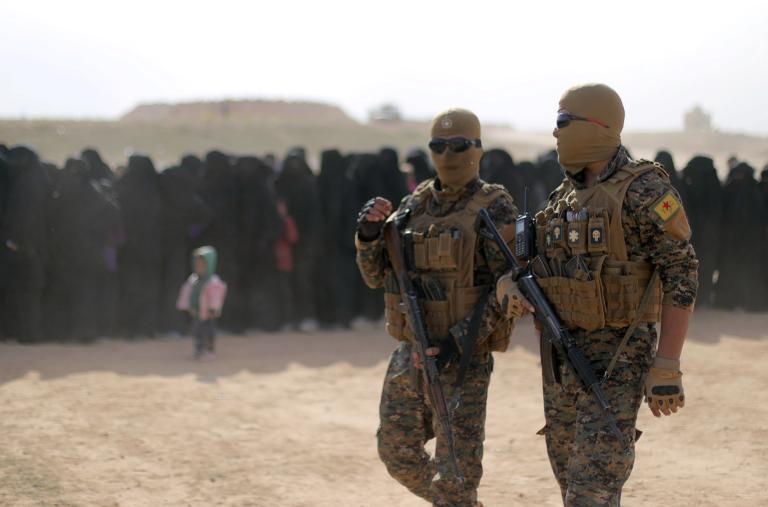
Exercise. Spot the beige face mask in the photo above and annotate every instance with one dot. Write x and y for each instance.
(583, 141)
(456, 169)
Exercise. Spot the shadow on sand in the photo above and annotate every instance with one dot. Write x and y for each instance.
(271, 353)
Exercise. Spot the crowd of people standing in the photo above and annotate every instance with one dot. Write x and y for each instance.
(88, 251)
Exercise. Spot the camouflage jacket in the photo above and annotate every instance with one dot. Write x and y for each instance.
(371, 258)
(646, 237)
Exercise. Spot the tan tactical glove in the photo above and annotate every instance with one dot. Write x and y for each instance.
(513, 304)
(664, 387)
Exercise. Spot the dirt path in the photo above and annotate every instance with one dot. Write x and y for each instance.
(289, 420)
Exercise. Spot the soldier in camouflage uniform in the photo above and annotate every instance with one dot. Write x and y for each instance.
(455, 272)
(614, 257)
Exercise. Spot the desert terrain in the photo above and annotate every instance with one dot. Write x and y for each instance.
(166, 132)
(289, 420)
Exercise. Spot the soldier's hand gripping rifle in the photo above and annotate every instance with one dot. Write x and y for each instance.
(420, 342)
(552, 328)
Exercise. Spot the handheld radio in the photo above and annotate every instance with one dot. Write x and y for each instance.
(525, 230)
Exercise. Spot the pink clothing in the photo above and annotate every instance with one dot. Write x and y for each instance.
(284, 245)
(211, 296)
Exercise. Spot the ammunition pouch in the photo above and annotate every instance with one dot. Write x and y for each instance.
(609, 298)
(438, 316)
(585, 272)
(579, 301)
(442, 255)
(394, 315)
(623, 286)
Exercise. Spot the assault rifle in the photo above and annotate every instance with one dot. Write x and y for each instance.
(553, 329)
(420, 343)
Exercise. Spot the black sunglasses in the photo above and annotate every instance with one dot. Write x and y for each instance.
(455, 144)
(564, 119)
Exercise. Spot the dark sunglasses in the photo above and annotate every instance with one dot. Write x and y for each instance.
(564, 119)
(454, 144)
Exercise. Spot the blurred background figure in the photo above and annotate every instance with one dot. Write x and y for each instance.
(296, 185)
(140, 258)
(664, 158)
(702, 195)
(741, 235)
(23, 245)
(421, 167)
(89, 252)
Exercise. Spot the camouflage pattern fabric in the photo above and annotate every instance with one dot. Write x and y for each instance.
(406, 421)
(646, 239)
(406, 424)
(371, 259)
(588, 462)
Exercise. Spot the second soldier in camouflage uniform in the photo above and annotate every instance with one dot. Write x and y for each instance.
(614, 257)
(455, 272)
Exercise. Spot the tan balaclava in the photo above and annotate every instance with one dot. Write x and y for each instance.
(456, 169)
(582, 142)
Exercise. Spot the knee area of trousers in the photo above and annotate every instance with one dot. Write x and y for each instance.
(588, 494)
(394, 453)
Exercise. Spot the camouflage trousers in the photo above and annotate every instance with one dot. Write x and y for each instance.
(407, 423)
(589, 463)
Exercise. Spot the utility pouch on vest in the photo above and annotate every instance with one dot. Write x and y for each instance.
(577, 237)
(467, 297)
(558, 234)
(437, 317)
(597, 233)
(466, 300)
(436, 251)
(541, 232)
(579, 303)
(549, 242)
(541, 238)
(433, 251)
(624, 283)
(395, 318)
(419, 250)
(450, 253)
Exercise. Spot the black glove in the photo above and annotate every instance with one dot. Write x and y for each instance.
(367, 230)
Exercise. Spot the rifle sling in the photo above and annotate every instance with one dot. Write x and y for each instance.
(631, 329)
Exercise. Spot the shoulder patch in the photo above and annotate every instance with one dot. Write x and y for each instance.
(667, 206)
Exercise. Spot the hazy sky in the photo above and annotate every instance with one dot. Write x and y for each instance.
(508, 61)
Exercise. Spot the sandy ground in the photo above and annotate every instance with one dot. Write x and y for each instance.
(290, 419)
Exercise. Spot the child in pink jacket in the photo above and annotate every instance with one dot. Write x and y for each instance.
(202, 295)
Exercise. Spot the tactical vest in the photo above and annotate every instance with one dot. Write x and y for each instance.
(442, 255)
(583, 266)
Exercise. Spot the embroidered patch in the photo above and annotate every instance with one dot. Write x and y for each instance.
(596, 235)
(667, 206)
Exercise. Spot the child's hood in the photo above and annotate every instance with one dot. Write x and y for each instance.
(209, 255)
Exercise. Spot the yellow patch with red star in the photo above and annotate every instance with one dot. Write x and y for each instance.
(667, 206)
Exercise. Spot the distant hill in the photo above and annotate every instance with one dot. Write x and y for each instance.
(168, 131)
(239, 112)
